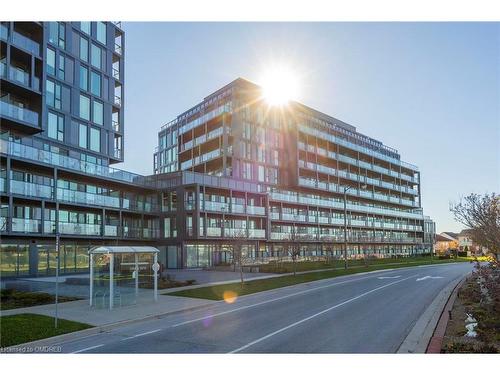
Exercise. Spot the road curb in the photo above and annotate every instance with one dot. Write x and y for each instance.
(421, 335)
(436, 340)
(55, 340)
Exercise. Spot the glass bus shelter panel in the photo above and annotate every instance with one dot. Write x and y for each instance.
(100, 280)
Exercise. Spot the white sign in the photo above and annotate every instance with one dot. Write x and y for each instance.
(429, 277)
(156, 267)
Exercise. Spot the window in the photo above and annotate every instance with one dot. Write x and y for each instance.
(53, 94)
(82, 136)
(56, 126)
(261, 173)
(85, 27)
(166, 222)
(95, 58)
(84, 107)
(95, 139)
(101, 32)
(84, 78)
(56, 34)
(95, 83)
(61, 67)
(97, 114)
(51, 61)
(84, 49)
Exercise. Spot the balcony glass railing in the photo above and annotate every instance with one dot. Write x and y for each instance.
(206, 117)
(235, 232)
(26, 43)
(51, 158)
(330, 137)
(257, 233)
(80, 229)
(256, 210)
(31, 190)
(73, 196)
(26, 225)
(18, 113)
(19, 76)
(330, 203)
(111, 231)
(214, 232)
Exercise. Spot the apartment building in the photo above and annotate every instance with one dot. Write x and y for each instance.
(236, 168)
(231, 170)
(61, 131)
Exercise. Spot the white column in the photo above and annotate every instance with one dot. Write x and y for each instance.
(155, 275)
(136, 274)
(111, 287)
(91, 277)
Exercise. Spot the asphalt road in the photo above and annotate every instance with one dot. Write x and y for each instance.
(364, 313)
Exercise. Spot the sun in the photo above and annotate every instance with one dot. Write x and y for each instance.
(279, 86)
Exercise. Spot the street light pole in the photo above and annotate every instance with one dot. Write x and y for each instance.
(346, 189)
(57, 278)
(345, 226)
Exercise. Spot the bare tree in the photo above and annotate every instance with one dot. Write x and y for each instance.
(481, 214)
(293, 249)
(240, 239)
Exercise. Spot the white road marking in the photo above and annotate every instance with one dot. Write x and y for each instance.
(388, 277)
(315, 315)
(89, 348)
(147, 333)
(429, 277)
(269, 301)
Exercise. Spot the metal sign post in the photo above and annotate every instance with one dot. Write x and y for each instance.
(57, 278)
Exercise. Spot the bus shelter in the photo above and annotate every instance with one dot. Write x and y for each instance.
(117, 273)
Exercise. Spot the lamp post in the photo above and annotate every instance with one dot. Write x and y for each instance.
(346, 189)
(57, 279)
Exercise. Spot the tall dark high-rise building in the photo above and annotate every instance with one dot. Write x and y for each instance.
(61, 114)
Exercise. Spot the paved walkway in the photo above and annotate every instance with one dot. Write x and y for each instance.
(80, 311)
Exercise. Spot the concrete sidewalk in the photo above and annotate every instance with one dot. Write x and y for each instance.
(145, 307)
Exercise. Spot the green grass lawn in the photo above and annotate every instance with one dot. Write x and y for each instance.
(217, 292)
(286, 267)
(21, 328)
(13, 299)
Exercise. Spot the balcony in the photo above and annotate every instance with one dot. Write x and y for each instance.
(257, 233)
(214, 232)
(29, 189)
(117, 101)
(111, 231)
(73, 196)
(17, 113)
(116, 74)
(116, 126)
(51, 158)
(26, 43)
(117, 153)
(118, 49)
(281, 236)
(256, 210)
(80, 229)
(26, 225)
(235, 232)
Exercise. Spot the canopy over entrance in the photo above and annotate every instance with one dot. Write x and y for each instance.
(124, 264)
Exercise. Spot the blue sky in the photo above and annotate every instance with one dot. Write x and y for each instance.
(430, 90)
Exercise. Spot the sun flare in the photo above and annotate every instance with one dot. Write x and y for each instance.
(279, 86)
